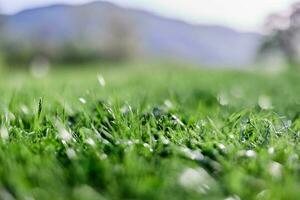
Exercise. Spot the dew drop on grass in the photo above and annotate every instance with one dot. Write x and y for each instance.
(271, 150)
(82, 100)
(293, 158)
(168, 104)
(231, 136)
(9, 116)
(287, 123)
(265, 102)
(221, 147)
(125, 109)
(4, 133)
(164, 140)
(24, 109)
(71, 153)
(265, 194)
(223, 100)
(177, 120)
(90, 141)
(6, 195)
(101, 80)
(193, 155)
(247, 153)
(103, 156)
(196, 179)
(275, 169)
(130, 142)
(63, 133)
(250, 154)
(146, 145)
(234, 197)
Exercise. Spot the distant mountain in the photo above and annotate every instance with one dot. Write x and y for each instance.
(152, 35)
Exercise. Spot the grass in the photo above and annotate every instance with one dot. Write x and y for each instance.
(149, 133)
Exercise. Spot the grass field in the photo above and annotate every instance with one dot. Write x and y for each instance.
(149, 133)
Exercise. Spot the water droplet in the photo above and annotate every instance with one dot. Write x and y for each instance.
(221, 146)
(250, 154)
(271, 150)
(71, 153)
(177, 120)
(265, 194)
(101, 80)
(265, 102)
(146, 145)
(193, 155)
(24, 109)
(165, 140)
(234, 197)
(223, 100)
(196, 179)
(82, 100)
(4, 133)
(63, 133)
(275, 169)
(103, 156)
(126, 109)
(90, 141)
(168, 104)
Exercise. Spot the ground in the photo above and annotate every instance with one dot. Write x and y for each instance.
(149, 132)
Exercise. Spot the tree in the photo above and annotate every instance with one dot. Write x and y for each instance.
(120, 38)
(283, 34)
(93, 36)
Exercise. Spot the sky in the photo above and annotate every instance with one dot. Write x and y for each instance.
(247, 15)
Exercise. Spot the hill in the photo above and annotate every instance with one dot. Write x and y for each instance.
(151, 36)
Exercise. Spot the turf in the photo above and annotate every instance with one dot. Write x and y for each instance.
(149, 133)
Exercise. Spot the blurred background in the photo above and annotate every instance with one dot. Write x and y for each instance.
(149, 99)
(241, 34)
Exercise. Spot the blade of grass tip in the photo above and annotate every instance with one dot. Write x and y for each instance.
(12, 101)
(40, 107)
(38, 114)
(214, 125)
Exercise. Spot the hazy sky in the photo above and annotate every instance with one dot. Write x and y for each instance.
(241, 14)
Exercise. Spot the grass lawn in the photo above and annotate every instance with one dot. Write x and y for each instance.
(138, 132)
